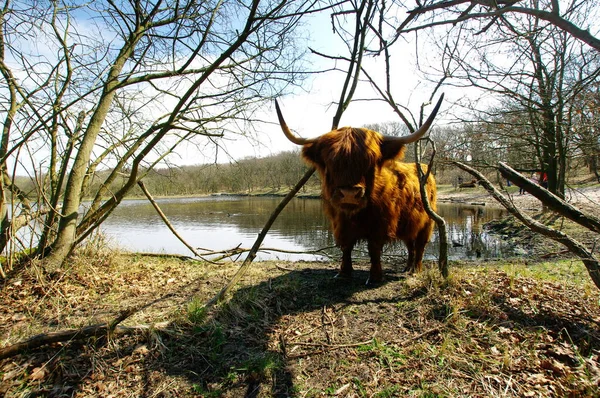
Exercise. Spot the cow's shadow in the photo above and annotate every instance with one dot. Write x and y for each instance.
(234, 351)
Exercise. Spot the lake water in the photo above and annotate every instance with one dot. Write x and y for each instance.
(225, 222)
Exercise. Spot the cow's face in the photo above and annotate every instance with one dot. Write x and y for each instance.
(349, 160)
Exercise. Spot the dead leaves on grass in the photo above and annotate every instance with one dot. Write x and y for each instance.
(501, 335)
(484, 333)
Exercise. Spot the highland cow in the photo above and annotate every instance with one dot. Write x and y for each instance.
(368, 193)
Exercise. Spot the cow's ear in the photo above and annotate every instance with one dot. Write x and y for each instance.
(392, 150)
(312, 154)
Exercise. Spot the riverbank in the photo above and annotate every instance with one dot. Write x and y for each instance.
(586, 197)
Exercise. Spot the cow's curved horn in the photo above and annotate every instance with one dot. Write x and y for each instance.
(417, 135)
(288, 133)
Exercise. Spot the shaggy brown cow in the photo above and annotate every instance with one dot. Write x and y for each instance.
(368, 194)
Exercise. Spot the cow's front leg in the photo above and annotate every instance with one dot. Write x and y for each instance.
(346, 267)
(376, 273)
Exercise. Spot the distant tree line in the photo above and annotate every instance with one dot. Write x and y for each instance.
(250, 175)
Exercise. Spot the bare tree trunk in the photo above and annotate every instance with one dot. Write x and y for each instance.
(439, 220)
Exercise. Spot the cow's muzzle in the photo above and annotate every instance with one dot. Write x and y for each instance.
(351, 196)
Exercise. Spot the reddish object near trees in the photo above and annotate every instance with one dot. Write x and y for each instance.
(368, 194)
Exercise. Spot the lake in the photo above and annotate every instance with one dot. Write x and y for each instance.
(225, 222)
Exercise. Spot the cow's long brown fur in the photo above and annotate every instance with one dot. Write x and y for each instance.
(391, 208)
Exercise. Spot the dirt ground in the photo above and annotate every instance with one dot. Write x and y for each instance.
(521, 327)
(290, 329)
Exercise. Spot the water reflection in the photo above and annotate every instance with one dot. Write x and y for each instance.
(219, 223)
(466, 233)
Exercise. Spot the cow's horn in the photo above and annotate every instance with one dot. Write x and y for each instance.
(417, 135)
(288, 133)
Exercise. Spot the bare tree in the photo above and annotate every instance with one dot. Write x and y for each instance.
(585, 116)
(433, 13)
(534, 72)
(121, 85)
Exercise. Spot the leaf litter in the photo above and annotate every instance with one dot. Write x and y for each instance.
(493, 329)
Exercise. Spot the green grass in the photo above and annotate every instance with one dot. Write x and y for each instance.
(196, 311)
(559, 271)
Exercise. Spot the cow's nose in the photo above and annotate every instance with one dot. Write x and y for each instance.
(352, 194)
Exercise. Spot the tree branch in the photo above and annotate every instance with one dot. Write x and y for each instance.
(590, 262)
(260, 238)
(552, 17)
(168, 223)
(549, 199)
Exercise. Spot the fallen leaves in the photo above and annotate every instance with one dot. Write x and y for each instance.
(481, 334)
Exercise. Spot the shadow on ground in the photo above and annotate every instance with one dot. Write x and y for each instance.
(235, 350)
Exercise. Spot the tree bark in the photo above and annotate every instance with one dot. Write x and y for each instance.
(552, 201)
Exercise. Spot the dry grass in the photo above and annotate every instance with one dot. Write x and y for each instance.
(496, 329)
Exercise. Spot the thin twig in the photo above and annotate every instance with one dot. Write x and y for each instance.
(252, 253)
(168, 223)
(326, 348)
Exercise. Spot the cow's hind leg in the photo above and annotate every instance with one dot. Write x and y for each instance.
(375, 273)
(420, 243)
(411, 263)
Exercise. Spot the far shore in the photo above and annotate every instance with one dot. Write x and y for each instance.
(586, 197)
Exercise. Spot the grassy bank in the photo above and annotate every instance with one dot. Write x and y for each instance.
(503, 328)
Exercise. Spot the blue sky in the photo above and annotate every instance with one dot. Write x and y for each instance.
(309, 112)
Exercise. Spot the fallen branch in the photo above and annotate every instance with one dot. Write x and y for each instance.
(239, 250)
(166, 255)
(590, 262)
(404, 343)
(236, 251)
(281, 267)
(69, 335)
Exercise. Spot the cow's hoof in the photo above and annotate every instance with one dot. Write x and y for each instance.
(341, 275)
(374, 281)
